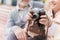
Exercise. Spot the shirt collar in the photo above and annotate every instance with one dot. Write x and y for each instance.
(22, 8)
(58, 13)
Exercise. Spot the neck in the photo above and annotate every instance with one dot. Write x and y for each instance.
(56, 9)
(21, 6)
(54, 12)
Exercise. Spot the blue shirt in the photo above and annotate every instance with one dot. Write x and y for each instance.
(18, 17)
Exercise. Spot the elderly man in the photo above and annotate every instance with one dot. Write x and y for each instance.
(17, 20)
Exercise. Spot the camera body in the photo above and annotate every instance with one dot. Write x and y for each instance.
(36, 17)
(36, 12)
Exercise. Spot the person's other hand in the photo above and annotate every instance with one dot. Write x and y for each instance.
(28, 20)
(44, 20)
(29, 16)
(20, 34)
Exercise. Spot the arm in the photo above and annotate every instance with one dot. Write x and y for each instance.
(10, 22)
(16, 29)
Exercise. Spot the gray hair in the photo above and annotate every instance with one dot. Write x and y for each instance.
(18, 1)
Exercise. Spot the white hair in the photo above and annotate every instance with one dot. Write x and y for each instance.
(18, 1)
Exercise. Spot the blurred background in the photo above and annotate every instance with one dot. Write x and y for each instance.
(5, 7)
(13, 2)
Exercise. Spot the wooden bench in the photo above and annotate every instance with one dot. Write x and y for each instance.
(4, 12)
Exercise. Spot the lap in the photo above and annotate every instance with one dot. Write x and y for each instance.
(10, 35)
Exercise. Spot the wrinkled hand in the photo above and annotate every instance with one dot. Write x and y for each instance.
(45, 20)
(29, 16)
(20, 34)
(29, 20)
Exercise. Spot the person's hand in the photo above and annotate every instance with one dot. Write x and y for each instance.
(44, 20)
(29, 16)
(20, 33)
(28, 20)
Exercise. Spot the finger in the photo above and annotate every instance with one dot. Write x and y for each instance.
(29, 18)
(44, 16)
(42, 21)
(22, 35)
(29, 14)
(19, 34)
(25, 36)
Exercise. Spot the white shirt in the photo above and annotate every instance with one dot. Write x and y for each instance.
(54, 29)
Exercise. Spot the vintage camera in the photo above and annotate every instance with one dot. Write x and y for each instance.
(36, 12)
(37, 28)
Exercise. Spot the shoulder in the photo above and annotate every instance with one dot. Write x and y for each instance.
(36, 4)
(14, 11)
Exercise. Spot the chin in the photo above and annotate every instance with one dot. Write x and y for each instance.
(54, 7)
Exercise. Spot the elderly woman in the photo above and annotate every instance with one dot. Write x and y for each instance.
(52, 9)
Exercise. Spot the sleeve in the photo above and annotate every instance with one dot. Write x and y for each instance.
(10, 22)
